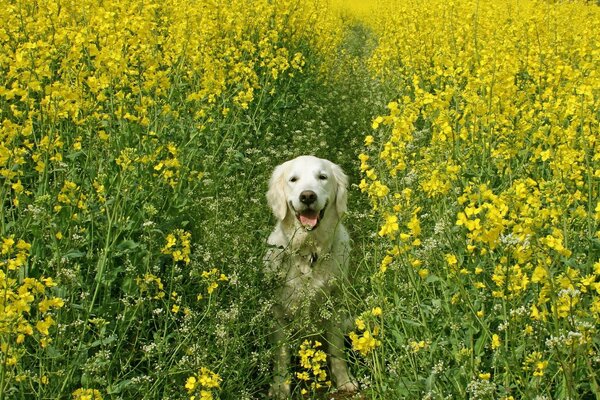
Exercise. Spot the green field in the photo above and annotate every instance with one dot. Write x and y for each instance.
(137, 139)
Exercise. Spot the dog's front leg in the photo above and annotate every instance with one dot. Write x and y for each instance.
(280, 389)
(344, 381)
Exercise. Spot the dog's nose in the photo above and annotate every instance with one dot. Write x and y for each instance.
(308, 197)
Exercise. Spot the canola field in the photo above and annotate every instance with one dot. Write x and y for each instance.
(137, 139)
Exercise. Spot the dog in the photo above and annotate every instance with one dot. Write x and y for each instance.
(308, 256)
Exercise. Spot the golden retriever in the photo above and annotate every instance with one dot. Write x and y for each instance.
(308, 255)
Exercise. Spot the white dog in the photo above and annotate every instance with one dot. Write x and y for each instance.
(308, 255)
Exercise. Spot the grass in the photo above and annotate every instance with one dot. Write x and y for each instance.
(137, 141)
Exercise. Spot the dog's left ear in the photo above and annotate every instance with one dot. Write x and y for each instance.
(341, 195)
(276, 194)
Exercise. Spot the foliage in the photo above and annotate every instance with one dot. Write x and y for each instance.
(123, 127)
(485, 174)
(136, 140)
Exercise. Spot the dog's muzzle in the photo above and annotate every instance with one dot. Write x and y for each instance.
(309, 218)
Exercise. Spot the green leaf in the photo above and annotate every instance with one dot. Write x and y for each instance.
(118, 387)
(127, 244)
(74, 254)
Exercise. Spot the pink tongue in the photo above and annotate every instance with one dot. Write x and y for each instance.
(309, 219)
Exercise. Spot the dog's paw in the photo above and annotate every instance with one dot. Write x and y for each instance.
(350, 386)
(280, 391)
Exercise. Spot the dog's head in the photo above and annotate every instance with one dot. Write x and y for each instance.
(307, 187)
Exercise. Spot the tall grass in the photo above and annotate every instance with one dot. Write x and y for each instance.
(137, 140)
(484, 174)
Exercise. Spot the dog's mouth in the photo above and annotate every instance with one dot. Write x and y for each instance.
(310, 219)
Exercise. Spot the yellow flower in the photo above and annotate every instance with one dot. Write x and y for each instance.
(18, 187)
(49, 282)
(390, 226)
(211, 287)
(44, 325)
(376, 122)
(417, 346)
(191, 383)
(495, 342)
(206, 395)
(414, 226)
(360, 324)
(534, 362)
(208, 379)
(87, 394)
(178, 245)
(171, 241)
(451, 259)
(313, 361)
(540, 367)
(364, 343)
(205, 380)
(46, 304)
(7, 244)
(152, 285)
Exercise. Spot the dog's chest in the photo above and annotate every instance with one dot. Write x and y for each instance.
(309, 280)
(308, 269)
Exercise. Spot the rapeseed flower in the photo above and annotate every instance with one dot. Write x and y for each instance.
(212, 278)
(87, 394)
(364, 342)
(365, 338)
(178, 245)
(203, 384)
(313, 360)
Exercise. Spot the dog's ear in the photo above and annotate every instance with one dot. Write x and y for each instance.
(276, 193)
(341, 195)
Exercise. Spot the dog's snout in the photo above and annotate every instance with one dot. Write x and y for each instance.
(308, 197)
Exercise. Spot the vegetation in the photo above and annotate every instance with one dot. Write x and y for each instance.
(137, 139)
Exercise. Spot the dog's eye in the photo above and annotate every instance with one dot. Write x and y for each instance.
(293, 179)
(323, 177)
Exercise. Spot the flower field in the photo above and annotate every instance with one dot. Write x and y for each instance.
(137, 139)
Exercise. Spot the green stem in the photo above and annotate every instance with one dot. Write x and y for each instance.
(100, 267)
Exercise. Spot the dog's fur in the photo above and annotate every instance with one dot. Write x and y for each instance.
(308, 255)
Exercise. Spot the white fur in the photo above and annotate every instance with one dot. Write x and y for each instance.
(307, 263)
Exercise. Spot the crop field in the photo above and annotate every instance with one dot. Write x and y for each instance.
(137, 139)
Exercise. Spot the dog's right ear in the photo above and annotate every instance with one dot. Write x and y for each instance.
(276, 193)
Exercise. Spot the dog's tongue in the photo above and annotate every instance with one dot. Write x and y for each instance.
(309, 219)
